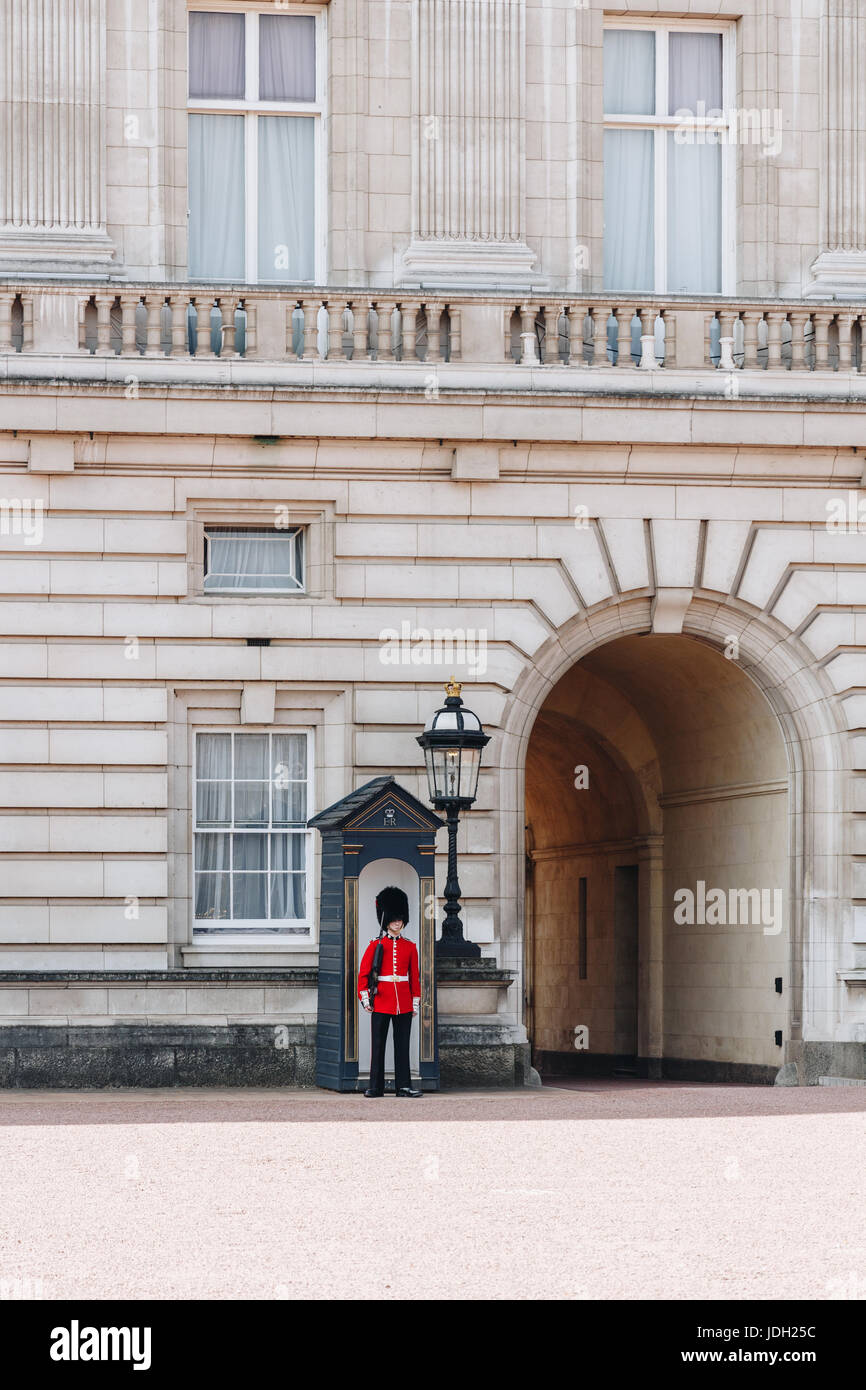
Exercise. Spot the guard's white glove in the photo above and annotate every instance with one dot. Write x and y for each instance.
(365, 1000)
(416, 1004)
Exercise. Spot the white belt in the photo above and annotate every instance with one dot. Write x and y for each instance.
(391, 978)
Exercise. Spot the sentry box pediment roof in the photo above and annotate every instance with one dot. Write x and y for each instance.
(380, 805)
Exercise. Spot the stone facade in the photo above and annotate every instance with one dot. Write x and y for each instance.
(644, 514)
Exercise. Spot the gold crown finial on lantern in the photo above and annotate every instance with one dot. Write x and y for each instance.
(453, 687)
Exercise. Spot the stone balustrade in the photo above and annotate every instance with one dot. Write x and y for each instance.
(306, 325)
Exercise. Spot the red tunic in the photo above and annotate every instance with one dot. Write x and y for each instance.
(399, 957)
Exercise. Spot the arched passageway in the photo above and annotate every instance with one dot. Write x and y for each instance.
(658, 878)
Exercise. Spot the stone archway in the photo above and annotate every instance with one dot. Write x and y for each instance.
(799, 767)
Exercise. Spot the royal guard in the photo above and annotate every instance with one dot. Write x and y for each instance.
(389, 987)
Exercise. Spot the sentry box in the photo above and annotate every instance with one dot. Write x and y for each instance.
(378, 835)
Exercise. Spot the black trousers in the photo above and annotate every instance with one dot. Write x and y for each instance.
(402, 1028)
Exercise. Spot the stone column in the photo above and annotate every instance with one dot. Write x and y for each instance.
(469, 197)
(840, 269)
(52, 129)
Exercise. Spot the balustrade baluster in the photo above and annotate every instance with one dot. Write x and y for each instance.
(6, 303)
(311, 309)
(528, 335)
(409, 309)
(434, 319)
(751, 320)
(153, 341)
(775, 319)
(455, 349)
(669, 319)
(845, 325)
(575, 314)
(336, 309)
(384, 351)
(799, 319)
(624, 315)
(360, 330)
(822, 320)
(178, 303)
(551, 332)
(648, 358)
(228, 308)
(104, 305)
(204, 331)
(600, 316)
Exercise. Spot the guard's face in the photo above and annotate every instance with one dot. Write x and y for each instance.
(396, 927)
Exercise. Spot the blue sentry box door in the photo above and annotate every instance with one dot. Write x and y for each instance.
(379, 821)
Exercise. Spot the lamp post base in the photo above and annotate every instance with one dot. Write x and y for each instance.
(456, 947)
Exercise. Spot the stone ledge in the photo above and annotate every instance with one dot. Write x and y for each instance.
(294, 974)
(470, 970)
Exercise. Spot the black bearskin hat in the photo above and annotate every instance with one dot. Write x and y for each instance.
(392, 905)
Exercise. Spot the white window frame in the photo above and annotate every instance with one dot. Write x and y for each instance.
(241, 591)
(252, 109)
(661, 123)
(293, 929)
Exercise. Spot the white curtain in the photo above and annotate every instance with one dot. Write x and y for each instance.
(216, 197)
(241, 559)
(629, 72)
(694, 73)
(216, 55)
(286, 198)
(629, 238)
(694, 218)
(287, 58)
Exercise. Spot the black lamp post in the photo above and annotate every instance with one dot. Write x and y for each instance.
(452, 741)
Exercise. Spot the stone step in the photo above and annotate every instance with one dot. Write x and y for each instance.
(840, 1081)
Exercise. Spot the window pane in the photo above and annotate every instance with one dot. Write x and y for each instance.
(288, 852)
(251, 803)
(213, 802)
(290, 752)
(214, 755)
(212, 895)
(694, 217)
(239, 558)
(251, 756)
(287, 58)
(695, 74)
(288, 881)
(629, 247)
(250, 896)
(290, 804)
(286, 198)
(216, 197)
(629, 72)
(212, 852)
(288, 895)
(250, 852)
(216, 55)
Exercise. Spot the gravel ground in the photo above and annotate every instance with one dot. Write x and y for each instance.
(590, 1190)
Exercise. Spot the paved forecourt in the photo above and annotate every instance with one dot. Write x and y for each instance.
(587, 1190)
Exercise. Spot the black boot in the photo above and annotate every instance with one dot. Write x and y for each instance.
(374, 1094)
(406, 1092)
